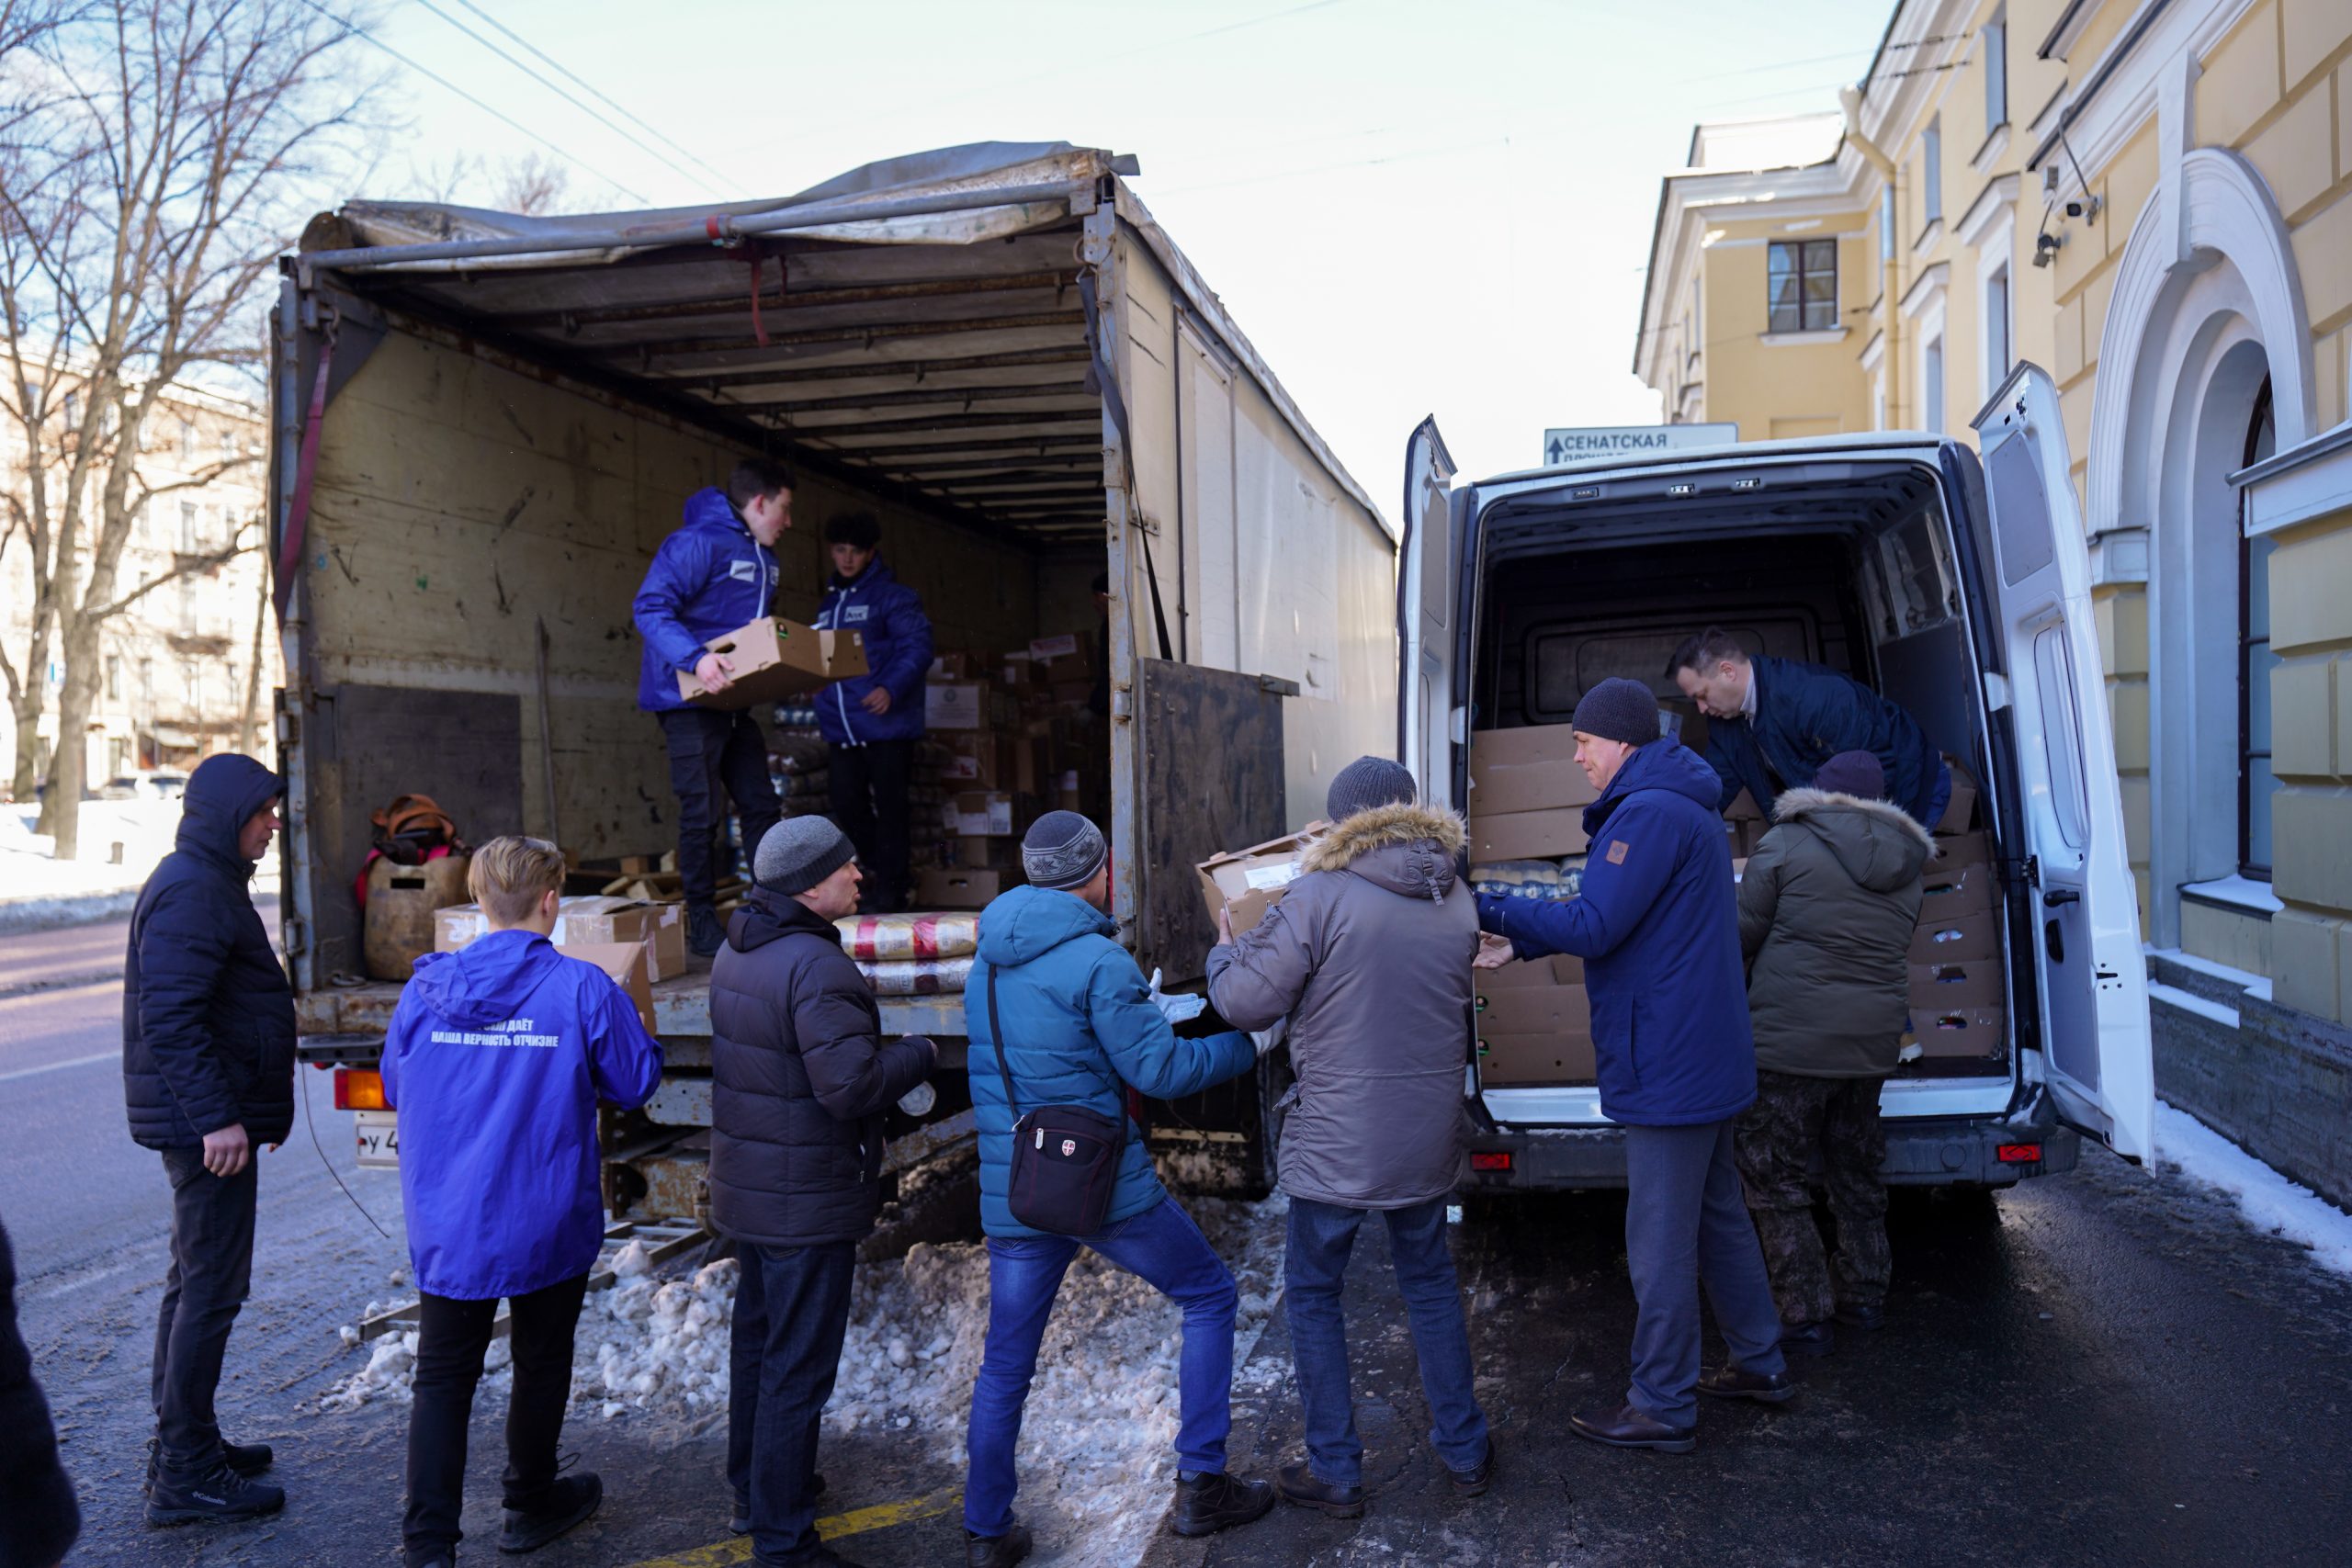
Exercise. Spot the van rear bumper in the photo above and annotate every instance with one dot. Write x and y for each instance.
(1932, 1152)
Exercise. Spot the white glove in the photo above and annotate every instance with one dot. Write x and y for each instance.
(1178, 1008)
(1265, 1040)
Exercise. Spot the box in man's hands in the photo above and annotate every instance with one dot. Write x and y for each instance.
(774, 658)
(1247, 883)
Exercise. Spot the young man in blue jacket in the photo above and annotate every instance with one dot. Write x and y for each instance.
(1080, 1029)
(716, 572)
(871, 722)
(207, 1078)
(495, 1059)
(1772, 723)
(1657, 926)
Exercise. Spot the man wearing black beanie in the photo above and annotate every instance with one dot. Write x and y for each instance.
(1658, 925)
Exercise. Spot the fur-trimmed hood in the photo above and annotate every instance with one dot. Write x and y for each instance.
(1879, 843)
(1409, 848)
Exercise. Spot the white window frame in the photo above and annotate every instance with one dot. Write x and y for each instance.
(1931, 172)
(1994, 38)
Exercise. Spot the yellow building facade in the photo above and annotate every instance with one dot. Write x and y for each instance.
(2152, 201)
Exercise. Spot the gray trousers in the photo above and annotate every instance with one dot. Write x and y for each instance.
(1686, 1221)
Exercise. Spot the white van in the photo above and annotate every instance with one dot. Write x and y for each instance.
(1958, 587)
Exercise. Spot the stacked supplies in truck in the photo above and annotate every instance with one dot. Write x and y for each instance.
(1534, 1024)
(911, 955)
(1958, 990)
(1527, 841)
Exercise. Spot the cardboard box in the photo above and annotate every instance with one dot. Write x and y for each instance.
(1961, 811)
(979, 854)
(1958, 940)
(956, 705)
(626, 963)
(1947, 891)
(976, 761)
(1960, 1031)
(1534, 1060)
(601, 921)
(953, 666)
(1247, 883)
(1069, 657)
(776, 659)
(1562, 970)
(1747, 837)
(1528, 835)
(1962, 849)
(980, 812)
(1531, 769)
(1743, 809)
(1535, 1010)
(1961, 983)
(955, 888)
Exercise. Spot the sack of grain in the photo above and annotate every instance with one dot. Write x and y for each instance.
(917, 977)
(872, 939)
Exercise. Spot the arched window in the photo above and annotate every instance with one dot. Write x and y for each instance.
(2256, 782)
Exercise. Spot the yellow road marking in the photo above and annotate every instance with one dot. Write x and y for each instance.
(857, 1522)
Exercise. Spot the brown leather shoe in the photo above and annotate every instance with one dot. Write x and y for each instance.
(1738, 1382)
(1629, 1426)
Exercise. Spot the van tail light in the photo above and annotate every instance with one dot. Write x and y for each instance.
(1497, 1160)
(357, 1088)
(2019, 1153)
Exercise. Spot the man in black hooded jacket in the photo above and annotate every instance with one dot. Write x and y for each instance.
(208, 1075)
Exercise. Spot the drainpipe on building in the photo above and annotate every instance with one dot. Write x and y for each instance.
(1849, 98)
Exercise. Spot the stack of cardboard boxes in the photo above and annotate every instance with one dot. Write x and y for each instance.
(1958, 990)
(1527, 801)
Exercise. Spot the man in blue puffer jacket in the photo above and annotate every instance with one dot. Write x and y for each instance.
(1082, 1030)
(714, 573)
(1656, 923)
(495, 1059)
(207, 1078)
(872, 721)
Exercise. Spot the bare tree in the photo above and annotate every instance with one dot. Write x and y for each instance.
(529, 184)
(532, 184)
(150, 172)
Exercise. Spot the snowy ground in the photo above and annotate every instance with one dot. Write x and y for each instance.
(37, 889)
(1095, 1441)
(2269, 1201)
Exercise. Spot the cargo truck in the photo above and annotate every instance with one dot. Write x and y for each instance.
(485, 424)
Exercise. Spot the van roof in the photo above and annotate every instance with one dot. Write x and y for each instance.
(1892, 443)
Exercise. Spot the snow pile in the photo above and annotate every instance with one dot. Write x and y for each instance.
(2267, 1200)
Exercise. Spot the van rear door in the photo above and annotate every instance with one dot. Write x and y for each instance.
(2094, 992)
(1428, 601)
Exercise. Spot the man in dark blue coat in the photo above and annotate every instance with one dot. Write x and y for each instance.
(1657, 926)
(208, 1076)
(1772, 722)
(495, 1059)
(717, 572)
(873, 721)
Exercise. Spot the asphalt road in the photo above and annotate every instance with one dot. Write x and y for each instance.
(2102, 1368)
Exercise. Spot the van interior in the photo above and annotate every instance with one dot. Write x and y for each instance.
(1850, 564)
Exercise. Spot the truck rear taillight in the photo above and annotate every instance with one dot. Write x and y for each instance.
(1495, 1161)
(357, 1088)
(2019, 1153)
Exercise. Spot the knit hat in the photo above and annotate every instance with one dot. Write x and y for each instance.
(800, 851)
(1858, 773)
(1619, 709)
(1062, 849)
(1365, 784)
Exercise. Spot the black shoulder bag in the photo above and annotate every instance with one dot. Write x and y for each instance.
(1065, 1157)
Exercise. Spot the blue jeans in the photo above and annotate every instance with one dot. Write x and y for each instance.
(791, 1315)
(1686, 1219)
(1162, 1247)
(1313, 1271)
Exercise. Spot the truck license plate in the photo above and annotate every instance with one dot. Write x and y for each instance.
(379, 1139)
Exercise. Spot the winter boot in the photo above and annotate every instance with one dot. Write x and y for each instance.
(1308, 1490)
(569, 1502)
(1474, 1482)
(186, 1497)
(1209, 1501)
(246, 1459)
(1738, 1382)
(997, 1551)
(705, 933)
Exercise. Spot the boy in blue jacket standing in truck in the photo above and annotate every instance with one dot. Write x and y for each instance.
(871, 722)
(714, 573)
(495, 1059)
(1657, 926)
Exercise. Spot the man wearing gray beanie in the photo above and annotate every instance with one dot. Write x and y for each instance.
(1367, 956)
(1081, 1031)
(800, 1077)
(1656, 922)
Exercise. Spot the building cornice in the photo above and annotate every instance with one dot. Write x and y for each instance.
(1999, 196)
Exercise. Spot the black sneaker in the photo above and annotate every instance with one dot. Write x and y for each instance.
(246, 1459)
(741, 1523)
(179, 1497)
(1474, 1482)
(705, 932)
(1308, 1490)
(1213, 1500)
(997, 1551)
(569, 1502)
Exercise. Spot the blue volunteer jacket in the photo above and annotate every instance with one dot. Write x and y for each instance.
(1807, 715)
(495, 1059)
(1656, 923)
(897, 652)
(1082, 1028)
(709, 578)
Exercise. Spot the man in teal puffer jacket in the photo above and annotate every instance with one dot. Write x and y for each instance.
(1083, 1030)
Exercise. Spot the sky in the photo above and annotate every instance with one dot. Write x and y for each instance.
(1409, 208)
